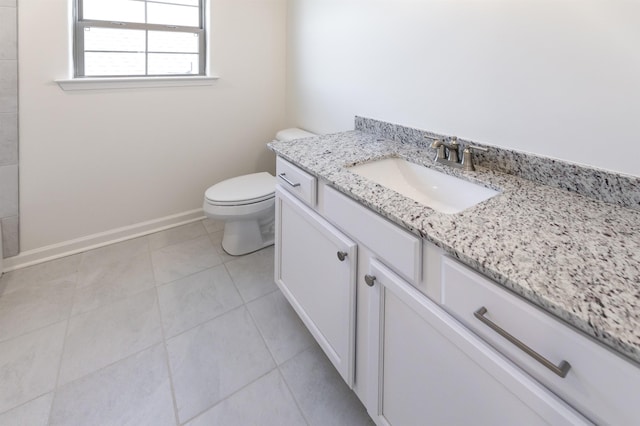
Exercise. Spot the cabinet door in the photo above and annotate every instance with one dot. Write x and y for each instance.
(432, 370)
(316, 270)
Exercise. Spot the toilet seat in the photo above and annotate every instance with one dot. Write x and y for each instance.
(246, 204)
(242, 190)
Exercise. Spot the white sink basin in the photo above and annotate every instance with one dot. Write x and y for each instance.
(441, 192)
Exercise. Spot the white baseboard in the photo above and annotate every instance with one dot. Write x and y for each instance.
(78, 245)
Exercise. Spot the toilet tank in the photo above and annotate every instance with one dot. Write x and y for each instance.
(287, 135)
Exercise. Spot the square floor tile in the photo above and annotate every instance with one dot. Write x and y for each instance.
(213, 225)
(43, 272)
(179, 260)
(197, 298)
(104, 284)
(322, 395)
(253, 274)
(108, 334)
(114, 253)
(176, 235)
(35, 306)
(214, 360)
(282, 329)
(216, 239)
(134, 391)
(33, 413)
(29, 365)
(265, 402)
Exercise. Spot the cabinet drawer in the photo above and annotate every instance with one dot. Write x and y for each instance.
(599, 383)
(400, 249)
(296, 181)
(434, 371)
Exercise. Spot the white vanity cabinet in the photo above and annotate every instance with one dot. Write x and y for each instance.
(407, 341)
(432, 370)
(598, 383)
(315, 268)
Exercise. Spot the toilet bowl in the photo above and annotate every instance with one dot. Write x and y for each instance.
(246, 204)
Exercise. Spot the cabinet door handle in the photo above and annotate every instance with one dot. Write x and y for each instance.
(370, 280)
(342, 255)
(283, 176)
(561, 370)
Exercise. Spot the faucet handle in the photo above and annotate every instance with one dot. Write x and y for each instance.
(439, 147)
(467, 156)
(453, 146)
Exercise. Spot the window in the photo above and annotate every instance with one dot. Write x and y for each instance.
(137, 38)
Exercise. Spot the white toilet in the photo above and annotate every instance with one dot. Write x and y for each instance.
(247, 206)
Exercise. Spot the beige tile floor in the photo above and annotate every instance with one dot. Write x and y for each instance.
(165, 329)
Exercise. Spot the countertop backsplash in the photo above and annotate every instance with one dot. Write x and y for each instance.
(619, 189)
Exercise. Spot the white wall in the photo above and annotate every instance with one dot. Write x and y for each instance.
(93, 161)
(558, 78)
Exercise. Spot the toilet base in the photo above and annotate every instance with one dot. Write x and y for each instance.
(246, 236)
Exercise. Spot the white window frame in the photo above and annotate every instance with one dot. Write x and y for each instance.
(78, 57)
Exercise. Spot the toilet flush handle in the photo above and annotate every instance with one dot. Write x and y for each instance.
(283, 176)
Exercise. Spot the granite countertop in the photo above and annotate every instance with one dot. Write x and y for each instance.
(576, 257)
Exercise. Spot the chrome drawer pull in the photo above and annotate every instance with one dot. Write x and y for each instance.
(342, 255)
(561, 370)
(283, 177)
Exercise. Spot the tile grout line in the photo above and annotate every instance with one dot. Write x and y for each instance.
(166, 360)
(32, 330)
(243, 305)
(57, 385)
(64, 342)
(27, 402)
(118, 300)
(151, 249)
(146, 348)
(70, 316)
(274, 358)
(159, 284)
(239, 292)
(227, 397)
(293, 395)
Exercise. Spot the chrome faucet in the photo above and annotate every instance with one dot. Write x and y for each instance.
(447, 150)
(467, 157)
(448, 153)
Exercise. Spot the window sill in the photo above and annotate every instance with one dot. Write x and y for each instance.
(134, 82)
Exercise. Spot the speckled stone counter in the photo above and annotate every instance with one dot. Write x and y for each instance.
(576, 257)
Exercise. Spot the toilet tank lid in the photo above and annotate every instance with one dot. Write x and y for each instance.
(287, 135)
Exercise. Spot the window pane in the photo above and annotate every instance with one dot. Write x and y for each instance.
(114, 10)
(172, 63)
(106, 64)
(185, 2)
(113, 39)
(169, 14)
(165, 41)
